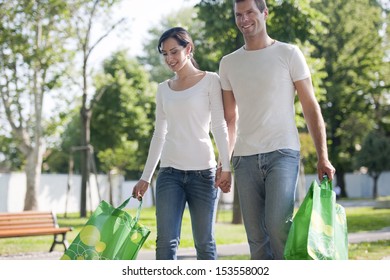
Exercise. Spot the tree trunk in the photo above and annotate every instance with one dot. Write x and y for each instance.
(341, 183)
(85, 155)
(36, 143)
(33, 172)
(109, 187)
(375, 187)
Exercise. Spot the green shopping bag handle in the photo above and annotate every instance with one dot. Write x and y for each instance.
(138, 209)
(326, 183)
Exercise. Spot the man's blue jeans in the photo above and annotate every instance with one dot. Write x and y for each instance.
(174, 189)
(266, 185)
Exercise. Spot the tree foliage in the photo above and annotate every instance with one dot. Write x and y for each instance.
(354, 53)
(32, 60)
(10, 156)
(88, 15)
(126, 112)
(346, 44)
(374, 156)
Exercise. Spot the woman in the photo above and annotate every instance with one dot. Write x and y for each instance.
(185, 105)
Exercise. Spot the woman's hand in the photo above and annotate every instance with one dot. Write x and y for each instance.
(140, 188)
(224, 181)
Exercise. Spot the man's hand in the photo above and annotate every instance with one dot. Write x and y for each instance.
(324, 167)
(223, 180)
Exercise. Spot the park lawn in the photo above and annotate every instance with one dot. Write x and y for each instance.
(367, 218)
(359, 219)
(225, 232)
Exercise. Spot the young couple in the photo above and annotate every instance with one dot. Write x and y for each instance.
(249, 108)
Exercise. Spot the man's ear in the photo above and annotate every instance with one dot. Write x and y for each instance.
(265, 12)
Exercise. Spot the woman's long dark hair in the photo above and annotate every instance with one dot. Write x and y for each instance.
(182, 37)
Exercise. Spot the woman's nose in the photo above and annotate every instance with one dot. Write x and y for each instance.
(168, 58)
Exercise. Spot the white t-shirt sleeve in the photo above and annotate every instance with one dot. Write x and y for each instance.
(158, 139)
(225, 84)
(298, 67)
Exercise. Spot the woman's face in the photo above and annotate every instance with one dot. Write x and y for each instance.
(175, 56)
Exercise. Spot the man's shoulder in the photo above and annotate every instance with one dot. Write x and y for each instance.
(285, 45)
(288, 47)
(233, 54)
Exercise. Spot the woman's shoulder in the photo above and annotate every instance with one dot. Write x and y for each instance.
(212, 75)
(162, 88)
(212, 78)
(163, 85)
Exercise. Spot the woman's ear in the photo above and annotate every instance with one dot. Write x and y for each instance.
(188, 49)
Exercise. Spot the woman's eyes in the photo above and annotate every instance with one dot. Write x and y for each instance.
(172, 53)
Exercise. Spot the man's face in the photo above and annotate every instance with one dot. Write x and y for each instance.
(249, 20)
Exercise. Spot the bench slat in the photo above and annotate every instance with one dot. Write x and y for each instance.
(27, 226)
(28, 217)
(32, 232)
(32, 223)
(27, 222)
(25, 213)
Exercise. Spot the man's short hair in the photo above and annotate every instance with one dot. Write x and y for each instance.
(261, 5)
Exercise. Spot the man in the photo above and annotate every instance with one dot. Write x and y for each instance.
(259, 82)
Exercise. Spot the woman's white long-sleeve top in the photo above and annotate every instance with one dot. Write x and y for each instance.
(184, 119)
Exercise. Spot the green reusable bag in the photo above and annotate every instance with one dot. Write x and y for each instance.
(319, 228)
(109, 234)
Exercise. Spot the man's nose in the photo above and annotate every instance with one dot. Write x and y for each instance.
(244, 17)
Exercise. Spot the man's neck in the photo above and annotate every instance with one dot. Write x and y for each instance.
(258, 43)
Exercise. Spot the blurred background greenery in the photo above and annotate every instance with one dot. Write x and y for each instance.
(45, 49)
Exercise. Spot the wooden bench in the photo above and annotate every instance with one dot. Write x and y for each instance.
(33, 223)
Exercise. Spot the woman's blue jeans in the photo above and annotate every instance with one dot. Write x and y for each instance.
(266, 185)
(174, 189)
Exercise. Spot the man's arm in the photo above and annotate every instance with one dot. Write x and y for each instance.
(230, 109)
(316, 126)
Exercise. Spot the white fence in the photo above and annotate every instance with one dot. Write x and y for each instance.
(358, 186)
(53, 192)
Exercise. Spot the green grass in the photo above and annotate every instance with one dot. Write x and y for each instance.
(226, 233)
(367, 219)
(369, 250)
(359, 219)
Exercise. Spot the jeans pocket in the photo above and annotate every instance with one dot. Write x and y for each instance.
(208, 174)
(165, 170)
(236, 161)
(289, 153)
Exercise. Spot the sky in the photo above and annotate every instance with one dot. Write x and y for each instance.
(142, 15)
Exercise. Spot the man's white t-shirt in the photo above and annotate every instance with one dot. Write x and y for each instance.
(184, 119)
(262, 82)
